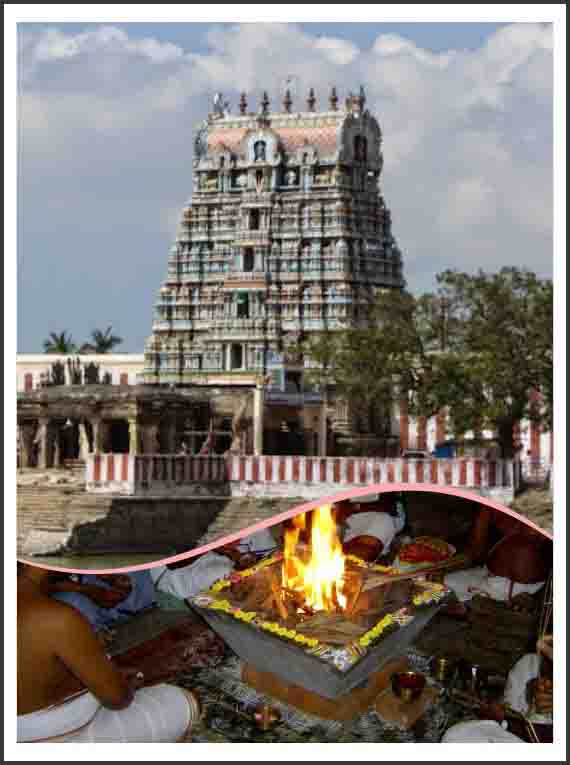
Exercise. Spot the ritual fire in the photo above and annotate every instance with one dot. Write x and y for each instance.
(314, 616)
(314, 576)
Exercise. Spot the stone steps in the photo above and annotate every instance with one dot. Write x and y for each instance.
(239, 513)
(53, 511)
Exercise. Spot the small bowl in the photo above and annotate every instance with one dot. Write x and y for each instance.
(408, 686)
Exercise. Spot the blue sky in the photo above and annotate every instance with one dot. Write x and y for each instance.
(106, 121)
(436, 36)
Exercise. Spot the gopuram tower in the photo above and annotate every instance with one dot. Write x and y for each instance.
(287, 233)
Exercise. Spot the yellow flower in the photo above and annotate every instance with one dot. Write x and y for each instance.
(221, 585)
(221, 605)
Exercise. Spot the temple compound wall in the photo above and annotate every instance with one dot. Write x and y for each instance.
(274, 477)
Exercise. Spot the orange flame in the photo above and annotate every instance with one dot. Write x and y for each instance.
(321, 577)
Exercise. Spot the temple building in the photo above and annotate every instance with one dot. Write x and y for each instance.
(287, 233)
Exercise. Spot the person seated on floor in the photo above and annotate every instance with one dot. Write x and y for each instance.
(186, 578)
(70, 691)
(529, 688)
(103, 599)
(370, 528)
(517, 564)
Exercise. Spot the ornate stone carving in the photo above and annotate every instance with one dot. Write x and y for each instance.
(273, 162)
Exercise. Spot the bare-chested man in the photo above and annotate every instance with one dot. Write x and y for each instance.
(68, 688)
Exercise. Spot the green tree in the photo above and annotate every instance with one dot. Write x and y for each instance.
(59, 343)
(480, 345)
(498, 351)
(101, 342)
(366, 362)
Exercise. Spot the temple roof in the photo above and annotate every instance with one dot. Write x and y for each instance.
(294, 131)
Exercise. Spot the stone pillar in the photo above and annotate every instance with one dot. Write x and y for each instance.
(170, 433)
(57, 450)
(42, 440)
(83, 442)
(322, 448)
(134, 445)
(105, 436)
(258, 401)
(96, 424)
(149, 435)
(26, 432)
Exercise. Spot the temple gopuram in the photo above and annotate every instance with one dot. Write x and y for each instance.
(286, 234)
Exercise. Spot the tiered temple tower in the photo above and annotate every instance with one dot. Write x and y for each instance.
(286, 234)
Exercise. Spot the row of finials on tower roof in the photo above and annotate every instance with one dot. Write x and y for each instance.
(222, 106)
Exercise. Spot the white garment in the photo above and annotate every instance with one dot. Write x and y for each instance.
(472, 581)
(194, 578)
(261, 542)
(58, 719)
(479, 732)
(158, 714)
(382, 526)
(526, 669)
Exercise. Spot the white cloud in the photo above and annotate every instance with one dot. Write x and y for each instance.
(338, 51)
(107, 119)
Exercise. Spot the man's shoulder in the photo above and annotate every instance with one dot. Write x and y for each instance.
(57, 615)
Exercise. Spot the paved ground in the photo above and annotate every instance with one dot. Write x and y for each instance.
(537, 506)
(229, 704)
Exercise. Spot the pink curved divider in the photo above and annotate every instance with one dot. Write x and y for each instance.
(380, 488)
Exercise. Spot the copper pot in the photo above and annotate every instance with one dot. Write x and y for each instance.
(408, 686)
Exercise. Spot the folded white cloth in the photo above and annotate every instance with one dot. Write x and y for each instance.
(58, 719)
(479, 732)
(158, 714)
(189, 580)
(526, 669)
(383, 526)
(473, 581)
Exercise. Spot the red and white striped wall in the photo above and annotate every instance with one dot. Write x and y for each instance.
(363, 471)
(167, 469)
(304, 477)
(426, 433)
(110, 473)
(129, 474)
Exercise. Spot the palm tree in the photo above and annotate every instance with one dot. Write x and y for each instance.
(59, 343)
(102, 342)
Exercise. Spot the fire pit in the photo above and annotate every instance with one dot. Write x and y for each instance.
(317, 618)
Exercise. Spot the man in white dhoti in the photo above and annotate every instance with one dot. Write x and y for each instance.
(70, 691)
(194, 575)
(527, 688)
(515, 565)
(369, 533)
